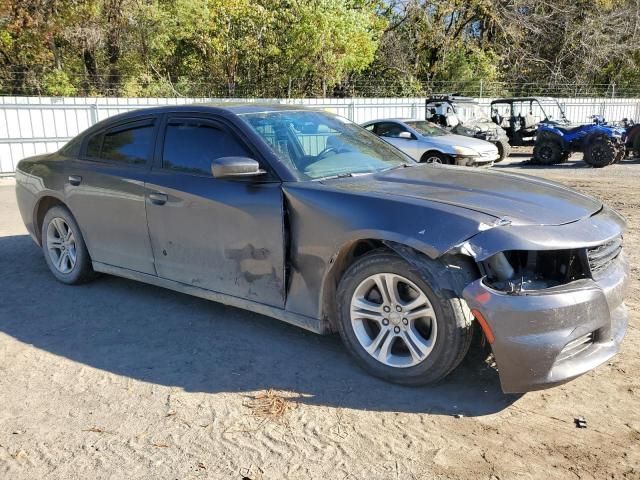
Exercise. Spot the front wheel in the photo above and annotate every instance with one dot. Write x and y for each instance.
(548, 151)
(435, 157)
(398, 323)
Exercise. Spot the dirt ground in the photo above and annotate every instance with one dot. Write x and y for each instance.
(116, 380)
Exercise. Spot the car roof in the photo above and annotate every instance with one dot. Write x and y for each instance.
(401, 120)
(520, 99)
(220, 108)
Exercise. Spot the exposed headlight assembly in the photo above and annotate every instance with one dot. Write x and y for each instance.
(465, 152)
(521, 271)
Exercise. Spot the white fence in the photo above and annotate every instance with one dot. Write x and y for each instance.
(33, 125)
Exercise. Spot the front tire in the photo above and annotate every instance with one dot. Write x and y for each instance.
(548, 151)
(64, 249)
(399, 322)
(435, 157)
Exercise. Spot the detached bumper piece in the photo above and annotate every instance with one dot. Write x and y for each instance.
(482, 160)
(551, 336)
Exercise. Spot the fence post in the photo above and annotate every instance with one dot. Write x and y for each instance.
(414, 110)
(352, 111)
(613, 90)
(93, 109)
(481, 85)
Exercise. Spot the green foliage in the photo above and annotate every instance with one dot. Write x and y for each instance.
(275, 48)
(57, 84)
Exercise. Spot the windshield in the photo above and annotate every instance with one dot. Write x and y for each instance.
(427, 128)
(319, 145)
(468, 112)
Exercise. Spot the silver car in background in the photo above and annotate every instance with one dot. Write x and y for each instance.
(428, 143)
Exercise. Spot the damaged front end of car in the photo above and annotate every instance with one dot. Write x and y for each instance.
(550, 298)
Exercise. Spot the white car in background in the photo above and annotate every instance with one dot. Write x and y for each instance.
(428, 143)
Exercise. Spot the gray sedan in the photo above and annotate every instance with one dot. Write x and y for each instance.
(308, 218)
(428, 143)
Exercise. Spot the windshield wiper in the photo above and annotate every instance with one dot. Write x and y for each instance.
(331, 177)
(402, 165)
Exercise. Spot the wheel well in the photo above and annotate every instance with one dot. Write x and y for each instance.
(339, 265)
(465, 270)
(44, 205)
(424, 156)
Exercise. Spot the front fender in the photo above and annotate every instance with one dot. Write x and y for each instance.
(323, 222)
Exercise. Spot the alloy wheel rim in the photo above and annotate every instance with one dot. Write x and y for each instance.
(546, 153)
(434, 160)
(61, 245)
(393, 320)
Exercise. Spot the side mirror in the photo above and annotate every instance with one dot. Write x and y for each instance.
(405, 135)
(235, 167)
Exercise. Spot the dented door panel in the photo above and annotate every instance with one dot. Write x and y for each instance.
(221, 235)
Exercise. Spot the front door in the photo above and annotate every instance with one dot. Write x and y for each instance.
(392, 131)
(219, 234)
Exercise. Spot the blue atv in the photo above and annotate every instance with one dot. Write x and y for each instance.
(601, 144)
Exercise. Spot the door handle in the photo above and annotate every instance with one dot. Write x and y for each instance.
(158, 198)
(75, 180)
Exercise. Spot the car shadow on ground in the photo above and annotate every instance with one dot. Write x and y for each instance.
(159, 336)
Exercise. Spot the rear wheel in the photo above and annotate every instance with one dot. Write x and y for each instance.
(398, 323)
(435, 157)
(600, 152)
(636, 146)
(64, 249)
(548, 151)
(504, 149)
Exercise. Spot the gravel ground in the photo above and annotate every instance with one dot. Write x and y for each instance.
(116, 379)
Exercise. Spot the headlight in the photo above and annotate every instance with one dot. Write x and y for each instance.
(465, 152)
(519, 271)
(470, 131)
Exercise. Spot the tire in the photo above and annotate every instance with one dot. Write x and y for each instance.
(600, 152)
(59, 228)
(450, 332)
(636, 146)
(435, 157)
(504, 149)
(548, 151)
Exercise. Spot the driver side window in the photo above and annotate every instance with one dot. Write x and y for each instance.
(390, 130)
(190, 145)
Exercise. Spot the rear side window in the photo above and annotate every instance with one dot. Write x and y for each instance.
(72, 148)
(131, 143)
(191, 145)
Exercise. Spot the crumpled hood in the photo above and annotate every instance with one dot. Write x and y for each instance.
(521, 199)
(454, 140)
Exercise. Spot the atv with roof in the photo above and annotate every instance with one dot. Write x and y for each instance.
(601, 144)
(464, 116)
(520, 117)
(633, 137)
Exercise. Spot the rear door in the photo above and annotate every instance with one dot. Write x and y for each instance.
(105, 191)
(224, 235)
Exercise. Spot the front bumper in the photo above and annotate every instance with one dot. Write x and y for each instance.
(552, 336)
(476, 160)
